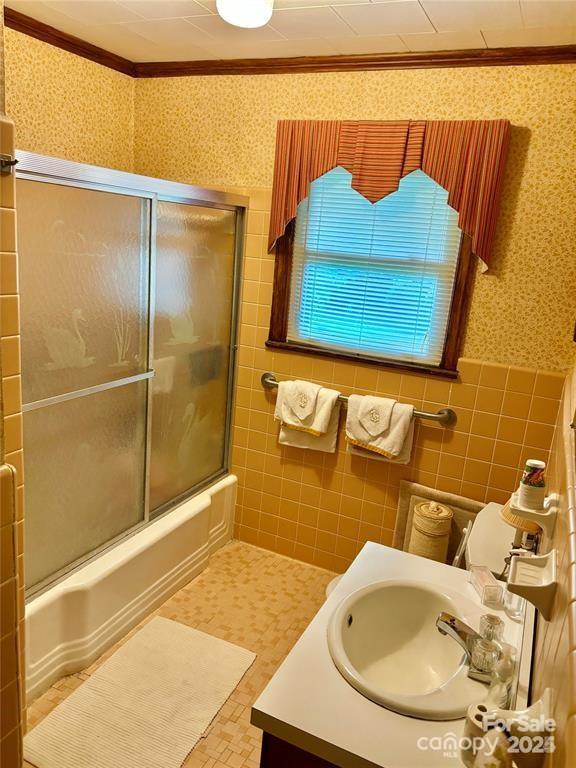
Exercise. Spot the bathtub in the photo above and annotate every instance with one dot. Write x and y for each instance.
(73, 623)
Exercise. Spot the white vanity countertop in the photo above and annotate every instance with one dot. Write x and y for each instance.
(309, 704)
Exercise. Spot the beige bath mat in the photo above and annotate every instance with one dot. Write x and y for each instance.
(146, 707)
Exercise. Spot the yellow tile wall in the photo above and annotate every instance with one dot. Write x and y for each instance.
(555, 652)
(12, 697)
(321, 508)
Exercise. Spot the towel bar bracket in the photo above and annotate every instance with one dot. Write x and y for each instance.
(445, 416)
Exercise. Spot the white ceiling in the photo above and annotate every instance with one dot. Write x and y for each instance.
(181, 30)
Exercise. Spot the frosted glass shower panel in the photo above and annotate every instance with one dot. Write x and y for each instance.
(84, 476)
(126, 314)
(192, 332)
(84, 286)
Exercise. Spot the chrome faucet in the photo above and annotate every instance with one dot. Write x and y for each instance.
(465, 636)
(457, 630)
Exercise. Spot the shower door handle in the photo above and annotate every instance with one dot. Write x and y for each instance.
(33, 406)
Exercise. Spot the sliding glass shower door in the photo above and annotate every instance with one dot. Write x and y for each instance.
(84, 321)
(192, 338)
(127, 316)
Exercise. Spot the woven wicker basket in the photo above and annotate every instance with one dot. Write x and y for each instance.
(431, 524)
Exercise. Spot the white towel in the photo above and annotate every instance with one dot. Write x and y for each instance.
(375, 413)
(403, 457)
(299, 398)
(305, 407)
(326, 442)
(381, 428)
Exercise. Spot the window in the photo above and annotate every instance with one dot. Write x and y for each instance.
(374, 281)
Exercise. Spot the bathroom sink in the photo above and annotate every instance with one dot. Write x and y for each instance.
(384, 641)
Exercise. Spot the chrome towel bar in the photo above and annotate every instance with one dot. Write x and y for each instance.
(445, 416)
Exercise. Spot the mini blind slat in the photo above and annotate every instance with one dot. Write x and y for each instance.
(374, 278)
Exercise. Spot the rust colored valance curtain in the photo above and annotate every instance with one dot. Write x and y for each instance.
(466, 157)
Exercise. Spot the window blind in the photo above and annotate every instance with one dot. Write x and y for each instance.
(374, 279)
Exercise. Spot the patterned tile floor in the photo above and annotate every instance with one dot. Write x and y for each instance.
(254, 598)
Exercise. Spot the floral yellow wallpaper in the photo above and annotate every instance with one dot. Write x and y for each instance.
(67, 106)
(523, 310)
(219, 131)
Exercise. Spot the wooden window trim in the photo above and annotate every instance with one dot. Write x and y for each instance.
(463, 284)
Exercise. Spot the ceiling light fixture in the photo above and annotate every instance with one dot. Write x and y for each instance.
(246, 13)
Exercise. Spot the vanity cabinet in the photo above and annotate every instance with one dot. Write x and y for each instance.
(310, 714)
(277, 753)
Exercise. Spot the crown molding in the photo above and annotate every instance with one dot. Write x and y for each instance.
(29, 26)
(483, 57)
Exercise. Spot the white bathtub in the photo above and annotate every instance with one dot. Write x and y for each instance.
(71, 624)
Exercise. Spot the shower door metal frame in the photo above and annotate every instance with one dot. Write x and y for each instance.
(234, 325)
(50, 170)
